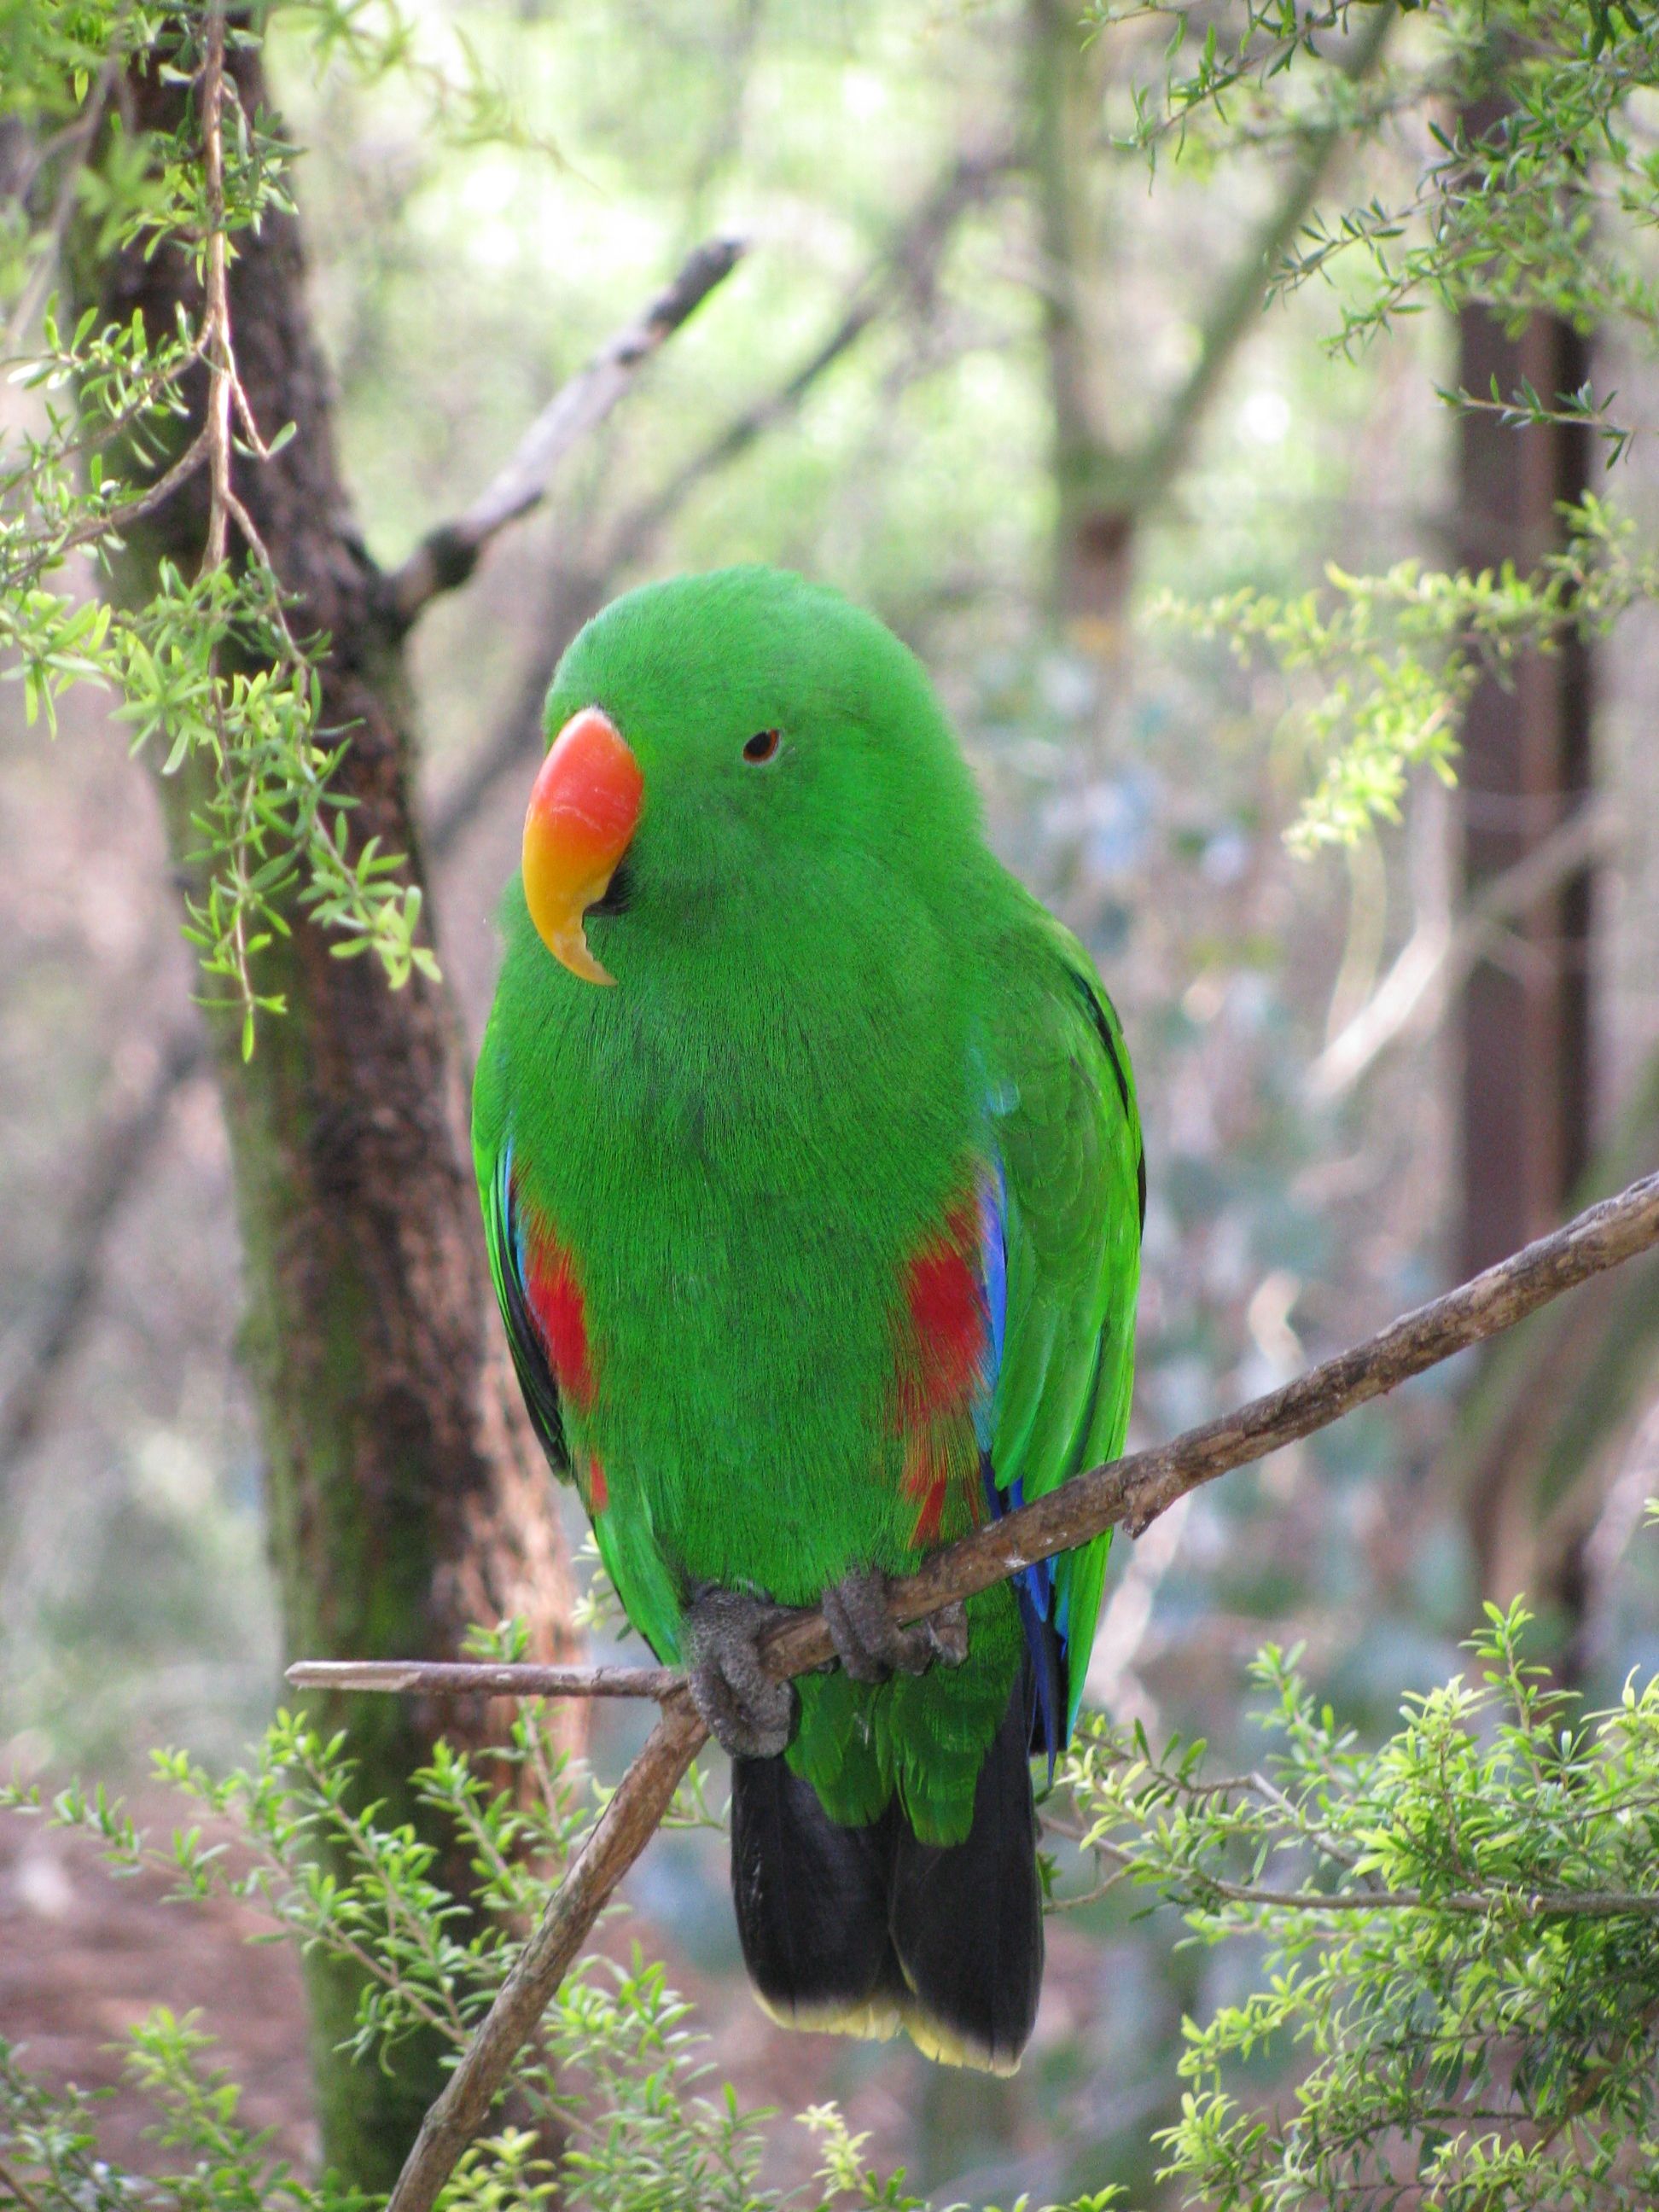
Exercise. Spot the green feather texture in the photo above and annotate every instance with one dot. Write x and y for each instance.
(837, 1022)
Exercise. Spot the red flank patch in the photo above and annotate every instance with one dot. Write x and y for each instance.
(940, 1369)
(555, 1299)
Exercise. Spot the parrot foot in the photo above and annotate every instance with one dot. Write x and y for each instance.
(869, 1642)
(750, 1713)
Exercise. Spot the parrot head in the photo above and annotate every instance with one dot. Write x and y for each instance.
(723, 745)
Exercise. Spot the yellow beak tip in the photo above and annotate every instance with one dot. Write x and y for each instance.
(570, 948)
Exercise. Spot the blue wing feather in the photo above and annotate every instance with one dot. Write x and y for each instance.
(1061, 1208)
(1034, 1586)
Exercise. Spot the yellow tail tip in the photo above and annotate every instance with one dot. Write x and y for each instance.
(880, 2020)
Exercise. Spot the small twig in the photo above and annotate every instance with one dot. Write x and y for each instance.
(627, 1825)
(908, 263)
(1131, 1492)
(1309, 1831)
(24, 2196)
(1530, 1905)
(447, 556)
(75, 142)
(463, 1678)
(215, 323)
(109, 522)
(1436, 959)
(120, 1154)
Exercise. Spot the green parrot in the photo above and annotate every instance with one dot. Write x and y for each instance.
(812, 1179)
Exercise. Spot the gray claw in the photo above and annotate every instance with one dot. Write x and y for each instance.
(947, 1632)
(750, 1713)
(869, 1644)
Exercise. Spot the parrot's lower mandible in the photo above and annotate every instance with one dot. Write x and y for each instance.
(813, 1178)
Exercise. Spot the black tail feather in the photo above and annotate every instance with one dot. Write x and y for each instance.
(967, 1918)
(868, 1929)
(812, 1904)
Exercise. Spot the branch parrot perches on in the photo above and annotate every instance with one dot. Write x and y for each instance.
(813, 1178)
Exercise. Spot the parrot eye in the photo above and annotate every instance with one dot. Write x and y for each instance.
(761, 746)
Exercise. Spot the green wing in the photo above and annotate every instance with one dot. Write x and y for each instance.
(1067, 1136)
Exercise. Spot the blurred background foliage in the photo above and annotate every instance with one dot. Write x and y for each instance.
(1027, 398)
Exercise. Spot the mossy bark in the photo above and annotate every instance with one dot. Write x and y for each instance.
(405, 1495)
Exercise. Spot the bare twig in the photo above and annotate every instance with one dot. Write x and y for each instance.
(215, 322)
(908, 266)
(122, 1153)
(1435, 961)
(447, 556)
(908, 263)
(467, 1678)
(1131, 1492)
(626, 1826)
(15, 2188)
(74, 144)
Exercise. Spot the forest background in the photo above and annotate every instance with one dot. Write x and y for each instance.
(1050, 377)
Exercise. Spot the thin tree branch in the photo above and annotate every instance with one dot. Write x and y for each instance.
(74, 144)
(908, 263)
(23, 2196)
(121, 1153)
(1131, 1492)
(470, 1678)
(447, 556)
(1128, 482)
(109, 522)
(1435, 961)
(626, 1826)
(215, 323)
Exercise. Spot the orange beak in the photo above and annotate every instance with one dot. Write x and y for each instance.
(584, 810)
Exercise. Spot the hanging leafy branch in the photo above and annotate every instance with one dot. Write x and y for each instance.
(210, 665)
(1534, 186)
(1378, 669)
(1535, 205)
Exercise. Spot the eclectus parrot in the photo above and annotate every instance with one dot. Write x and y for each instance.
(812, 1180)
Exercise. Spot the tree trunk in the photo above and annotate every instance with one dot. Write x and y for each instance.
(1526, 1081)
(405, 1497)
(1526, 768)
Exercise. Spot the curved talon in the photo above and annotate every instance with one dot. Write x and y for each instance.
(871, 1645)
(750, 1712)
(947, 1630)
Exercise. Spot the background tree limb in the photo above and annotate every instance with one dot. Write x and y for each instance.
(447, 556)
(908, 263)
